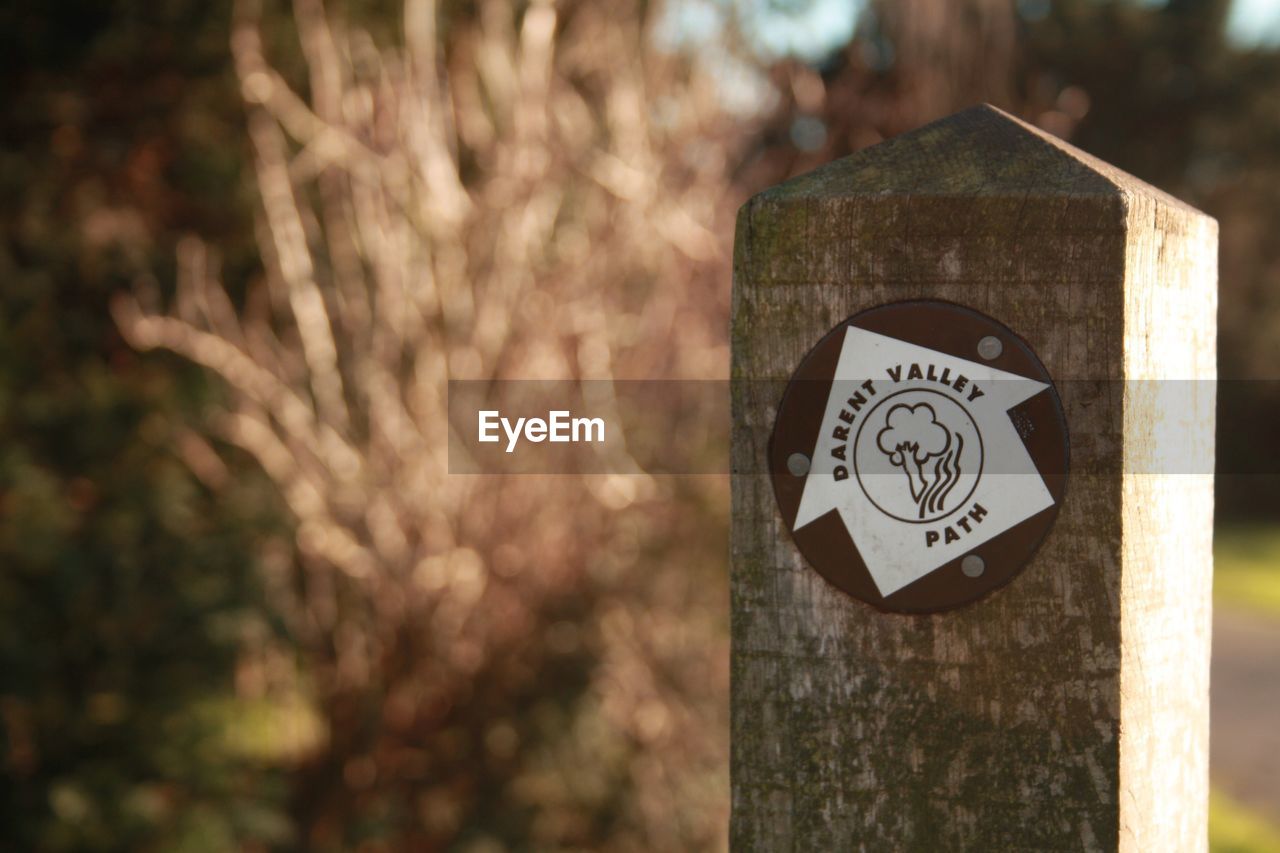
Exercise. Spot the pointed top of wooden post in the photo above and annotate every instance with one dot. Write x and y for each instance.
(1068, 709)
(981, 151)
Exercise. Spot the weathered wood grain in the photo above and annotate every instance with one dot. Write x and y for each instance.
(1069, 709)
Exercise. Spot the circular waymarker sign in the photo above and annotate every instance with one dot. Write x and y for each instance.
(919, 456)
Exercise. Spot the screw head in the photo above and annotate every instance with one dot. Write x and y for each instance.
(798, 464)
(973, 566)
(990, 347)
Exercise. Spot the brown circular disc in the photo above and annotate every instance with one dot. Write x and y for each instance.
(919, 456)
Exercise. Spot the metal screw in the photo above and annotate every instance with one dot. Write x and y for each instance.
(798, 464)
(973, 566)
(990, 347)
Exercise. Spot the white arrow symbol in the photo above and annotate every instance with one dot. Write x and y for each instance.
(999, 486)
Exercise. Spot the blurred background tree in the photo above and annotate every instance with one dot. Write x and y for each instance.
(252, 611)
(131, 548)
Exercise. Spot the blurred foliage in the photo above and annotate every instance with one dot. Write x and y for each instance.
(526, 661)
(1246, 570)
(128, 585)
(1235, 829)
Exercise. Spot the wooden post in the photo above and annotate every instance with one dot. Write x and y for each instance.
(1068, 710)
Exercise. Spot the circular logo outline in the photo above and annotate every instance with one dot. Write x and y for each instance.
(853, 446)
(825, 545)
